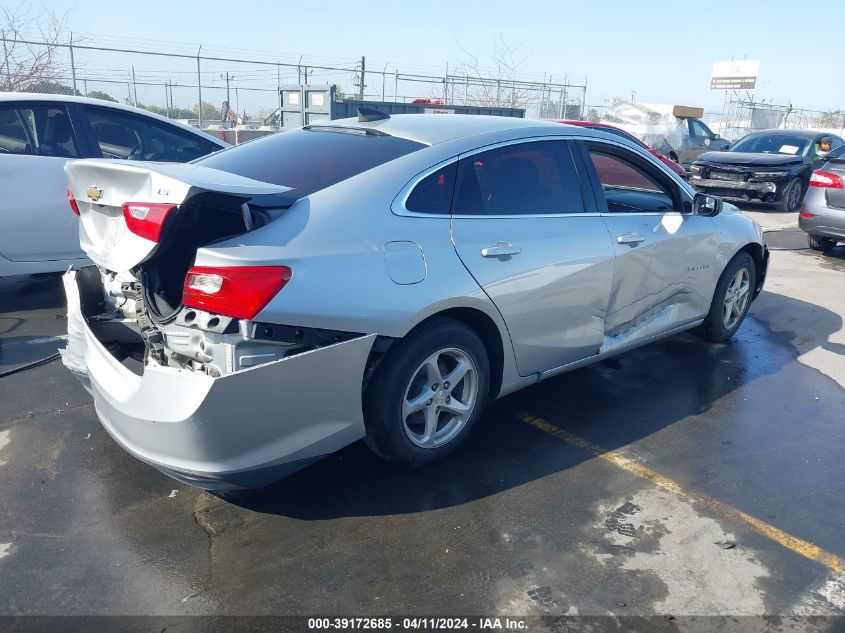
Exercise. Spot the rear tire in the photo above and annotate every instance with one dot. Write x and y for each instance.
(413, 414)
(792, 196)
(818, 243)
(731, 300)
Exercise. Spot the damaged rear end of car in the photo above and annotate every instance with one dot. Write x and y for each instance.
(171, 350)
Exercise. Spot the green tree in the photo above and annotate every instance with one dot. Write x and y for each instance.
(52, 88)
(173, 113)
(97, 94)
(209, 112)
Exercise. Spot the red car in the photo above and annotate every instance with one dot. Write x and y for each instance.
(619, 132)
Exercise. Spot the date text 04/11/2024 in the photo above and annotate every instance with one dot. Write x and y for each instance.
(417, 624)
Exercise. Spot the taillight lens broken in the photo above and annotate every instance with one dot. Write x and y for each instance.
(146, 219)
(239, 291)
(73, 206)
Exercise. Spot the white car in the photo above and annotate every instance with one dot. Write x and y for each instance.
(39, 133)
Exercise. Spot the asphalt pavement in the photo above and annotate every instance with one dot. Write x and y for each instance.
(682, 478)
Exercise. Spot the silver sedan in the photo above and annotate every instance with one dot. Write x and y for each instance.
(383, 278)
(822, 214)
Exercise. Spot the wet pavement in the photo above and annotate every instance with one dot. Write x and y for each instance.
(521, 522)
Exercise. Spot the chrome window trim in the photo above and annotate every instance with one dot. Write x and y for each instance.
(397, 207)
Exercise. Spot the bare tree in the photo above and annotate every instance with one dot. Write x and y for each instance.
(492, 85)
(24, 66)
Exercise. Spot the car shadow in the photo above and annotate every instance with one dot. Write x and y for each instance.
(21, 293)
(32, 323)
(613, 403)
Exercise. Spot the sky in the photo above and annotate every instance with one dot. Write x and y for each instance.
(661, 51)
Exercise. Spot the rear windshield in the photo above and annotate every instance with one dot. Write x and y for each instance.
(310, 159)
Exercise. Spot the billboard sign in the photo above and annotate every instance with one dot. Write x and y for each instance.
(738, 75)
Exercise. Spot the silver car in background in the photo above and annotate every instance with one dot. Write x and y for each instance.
(380, 278)
(822, 214)
(39, 133)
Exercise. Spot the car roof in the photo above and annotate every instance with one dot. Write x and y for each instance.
(432, 129)
(6, 97)
(584, 123)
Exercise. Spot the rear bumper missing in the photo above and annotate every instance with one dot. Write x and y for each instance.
(242, 430)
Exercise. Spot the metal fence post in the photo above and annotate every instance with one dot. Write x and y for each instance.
(279, 91)
(6, 59)
(134, 87)
(72, 65)
(199, 88)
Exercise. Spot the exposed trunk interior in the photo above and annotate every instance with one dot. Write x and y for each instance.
(205, 218)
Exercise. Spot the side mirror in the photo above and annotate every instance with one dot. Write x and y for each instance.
(702, 204)
(716, 137)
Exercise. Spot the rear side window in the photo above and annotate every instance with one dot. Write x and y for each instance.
(536, 178)
(311, 159)
(433, 194)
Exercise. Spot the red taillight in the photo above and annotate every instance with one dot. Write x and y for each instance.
(73, 206)
(240, 292)
(145, 219)
(826, 179)
(806, 215)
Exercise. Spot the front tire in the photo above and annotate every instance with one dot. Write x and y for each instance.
(427, 394)
(823, 244)
(792, 196)
(731, 300)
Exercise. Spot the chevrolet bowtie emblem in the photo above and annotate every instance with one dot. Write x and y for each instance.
(95, 193)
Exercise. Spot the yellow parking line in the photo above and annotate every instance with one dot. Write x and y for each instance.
(797, 545)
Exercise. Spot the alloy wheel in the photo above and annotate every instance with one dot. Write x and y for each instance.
(736, 298)
(440, 398)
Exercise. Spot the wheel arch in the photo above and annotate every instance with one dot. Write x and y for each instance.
(493, 335)
(760, 256)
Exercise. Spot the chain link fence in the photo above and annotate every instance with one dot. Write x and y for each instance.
(210, 89)
(742, 116)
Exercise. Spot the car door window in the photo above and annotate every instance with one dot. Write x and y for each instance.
(629, 184)
(43, 130)
(125, 135)
(535, 178)
(700, 130)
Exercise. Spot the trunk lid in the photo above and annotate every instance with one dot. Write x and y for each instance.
(102, 187)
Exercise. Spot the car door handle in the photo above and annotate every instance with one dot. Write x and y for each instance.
(630, 238)
(501, 249)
